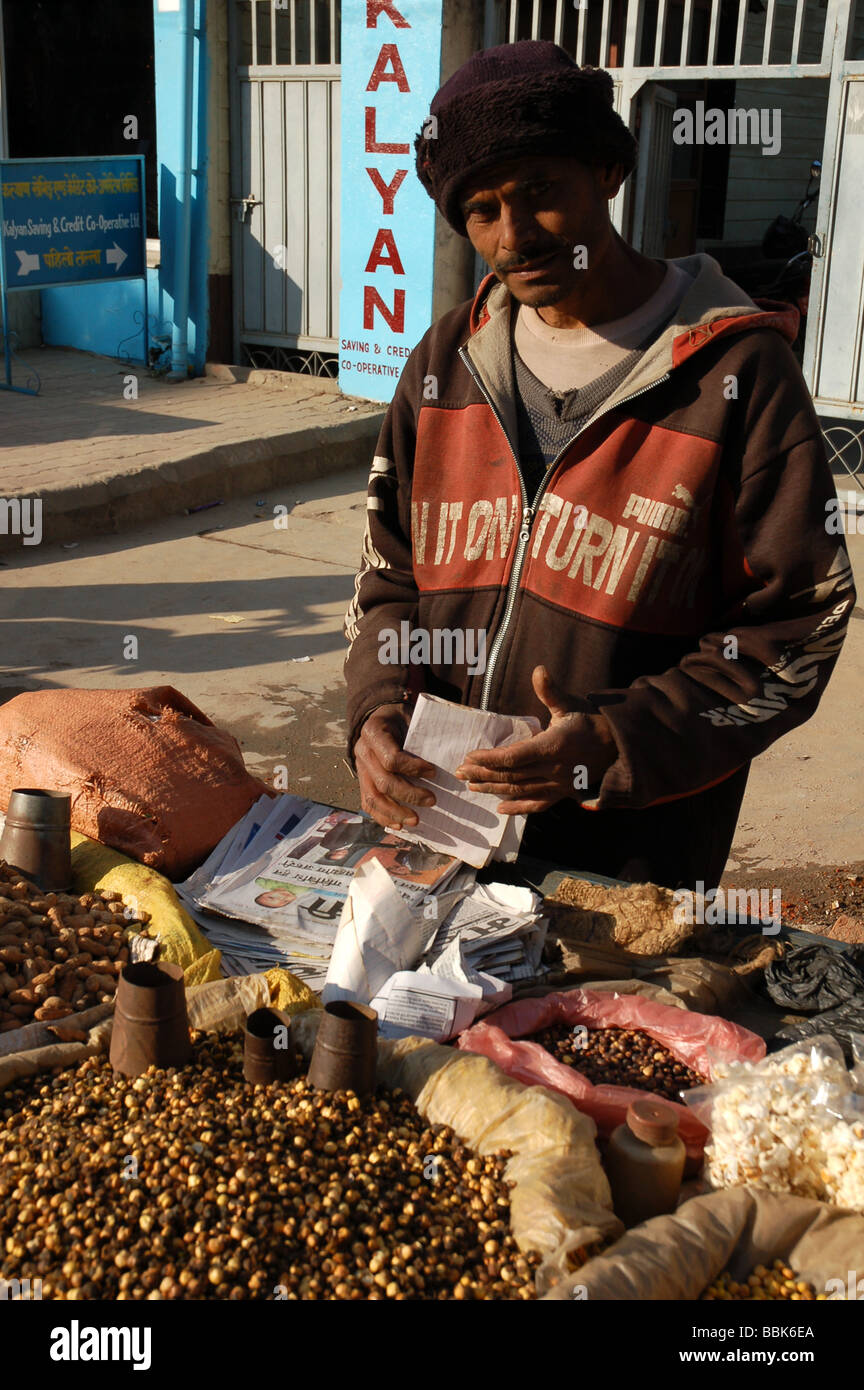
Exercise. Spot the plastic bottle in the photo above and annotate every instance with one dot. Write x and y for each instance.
(645, 1162)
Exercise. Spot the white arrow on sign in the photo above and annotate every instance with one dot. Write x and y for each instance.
(115, 257)
(29, 260)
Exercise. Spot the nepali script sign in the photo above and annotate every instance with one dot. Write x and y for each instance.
(72, 221)
(391, 62)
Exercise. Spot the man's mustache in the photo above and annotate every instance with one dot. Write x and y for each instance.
(539, 254)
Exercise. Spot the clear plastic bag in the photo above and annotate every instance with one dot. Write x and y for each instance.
(793, 1123)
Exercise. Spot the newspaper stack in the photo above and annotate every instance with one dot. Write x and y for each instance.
(272, 891)
(463, 823)
(492, 940)
(497, 930)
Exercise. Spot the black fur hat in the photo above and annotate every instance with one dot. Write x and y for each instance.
(517, 99)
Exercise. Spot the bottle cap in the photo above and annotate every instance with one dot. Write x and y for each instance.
(652, 1122)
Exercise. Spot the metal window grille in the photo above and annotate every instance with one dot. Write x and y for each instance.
(289, 33)
(774, 37)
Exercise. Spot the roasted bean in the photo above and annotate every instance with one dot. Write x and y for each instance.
(245, 1192)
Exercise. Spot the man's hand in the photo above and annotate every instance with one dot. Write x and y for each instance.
(384, 770)
(533, 775)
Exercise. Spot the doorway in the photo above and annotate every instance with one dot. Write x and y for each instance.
(285, 180)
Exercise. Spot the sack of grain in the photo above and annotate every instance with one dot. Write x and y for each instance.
(677, 1256)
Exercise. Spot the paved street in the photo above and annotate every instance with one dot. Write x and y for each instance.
(225, 607)
(102, 457)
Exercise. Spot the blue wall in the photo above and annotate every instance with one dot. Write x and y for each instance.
(99, 318)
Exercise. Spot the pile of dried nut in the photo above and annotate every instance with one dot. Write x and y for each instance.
(190, 1184)
(777, 1283)
(619, 1057)
(59, 954)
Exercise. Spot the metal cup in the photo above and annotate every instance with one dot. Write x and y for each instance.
(346, 1049)
(35, 841)
(268, 1048)
(151, 1026)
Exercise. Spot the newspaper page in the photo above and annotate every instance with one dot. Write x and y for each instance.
(498, 929)
(420, 1005)
(300, 884)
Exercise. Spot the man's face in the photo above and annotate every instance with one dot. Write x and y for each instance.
(534, 212)
(275, 897)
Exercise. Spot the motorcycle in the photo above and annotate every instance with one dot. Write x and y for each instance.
(784, 273)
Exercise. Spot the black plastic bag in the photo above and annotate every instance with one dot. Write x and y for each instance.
(845, 1024)
(811, 979)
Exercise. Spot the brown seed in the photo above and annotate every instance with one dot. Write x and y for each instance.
(322, 1224)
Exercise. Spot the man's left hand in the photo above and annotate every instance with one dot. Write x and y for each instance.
(572, 752)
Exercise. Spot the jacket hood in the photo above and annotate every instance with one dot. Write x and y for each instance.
(712, 307)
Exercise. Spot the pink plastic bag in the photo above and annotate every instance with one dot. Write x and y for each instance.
(695, 1039)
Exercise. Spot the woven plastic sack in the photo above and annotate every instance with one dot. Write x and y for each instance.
(695, 1039)
(148, 773)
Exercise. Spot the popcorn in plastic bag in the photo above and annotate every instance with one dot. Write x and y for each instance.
(792, 1123)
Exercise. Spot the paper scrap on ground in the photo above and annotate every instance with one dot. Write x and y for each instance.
(463, 823)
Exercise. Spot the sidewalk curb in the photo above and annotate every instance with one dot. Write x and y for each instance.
(108, 505)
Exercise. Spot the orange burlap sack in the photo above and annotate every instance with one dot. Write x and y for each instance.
(148, 773)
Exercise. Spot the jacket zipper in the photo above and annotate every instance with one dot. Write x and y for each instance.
(529, 513)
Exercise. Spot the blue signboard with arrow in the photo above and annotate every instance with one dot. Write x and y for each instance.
(70, 222)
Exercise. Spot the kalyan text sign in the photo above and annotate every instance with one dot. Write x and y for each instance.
(391, 60)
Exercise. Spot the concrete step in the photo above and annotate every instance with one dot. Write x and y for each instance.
(105, 446)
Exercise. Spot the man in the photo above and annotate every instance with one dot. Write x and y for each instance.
(611, 466)
(277, 894)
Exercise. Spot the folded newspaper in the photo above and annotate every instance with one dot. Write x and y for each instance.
(463, 823)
